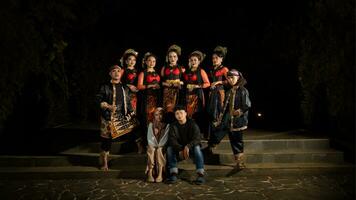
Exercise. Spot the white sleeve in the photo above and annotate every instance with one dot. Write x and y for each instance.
(164, 138)
(151, 139)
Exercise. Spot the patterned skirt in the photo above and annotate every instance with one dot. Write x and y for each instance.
(170, 96)
(152, 101)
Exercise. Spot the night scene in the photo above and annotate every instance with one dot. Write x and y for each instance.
(118, 99)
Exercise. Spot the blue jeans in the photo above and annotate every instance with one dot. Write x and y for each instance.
(198, 159)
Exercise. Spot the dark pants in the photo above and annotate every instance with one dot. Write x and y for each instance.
(235, 137)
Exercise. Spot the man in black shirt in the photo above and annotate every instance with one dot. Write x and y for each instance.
(183, 141)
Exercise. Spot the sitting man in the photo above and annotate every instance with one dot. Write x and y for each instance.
(183, 141)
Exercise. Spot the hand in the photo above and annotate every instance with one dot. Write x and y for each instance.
(177, 85)
(111, 107)
(215, 83)
(237, 113)
(184, 154)
(133, 88)
(156, 86)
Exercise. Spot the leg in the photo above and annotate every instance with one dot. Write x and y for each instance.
(199, 164)
(215, 138)
(237, 145)
(150, 163)
(172, 165)
(104, 155)
(161, 163)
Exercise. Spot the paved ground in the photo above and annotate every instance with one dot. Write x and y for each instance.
(274, 186)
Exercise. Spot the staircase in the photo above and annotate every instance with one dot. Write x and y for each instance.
(264, 151)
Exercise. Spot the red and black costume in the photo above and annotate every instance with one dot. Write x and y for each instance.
(195, 100)
(217, 94)
(171, 94)
(130, 78)
(150, 97)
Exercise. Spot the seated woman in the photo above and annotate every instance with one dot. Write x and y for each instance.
(157, 136)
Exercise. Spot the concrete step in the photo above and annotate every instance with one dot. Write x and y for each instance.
(282, 156)
(185, 171)
(133, 159)
(255, 145)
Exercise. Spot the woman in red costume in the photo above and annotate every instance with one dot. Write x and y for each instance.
(172, 75)
(195, 79)
(149, 84)
(218, 77)
(128, 62)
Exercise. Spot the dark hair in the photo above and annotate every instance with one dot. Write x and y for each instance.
(220, 51)
(179, 107)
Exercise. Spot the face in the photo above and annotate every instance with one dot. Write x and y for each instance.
(172, 57)
(194, 61)
(158, 116)
(115, 74)
(151, 62)
(233, 79)
(217, 60)
(180, 115)
(131, 61)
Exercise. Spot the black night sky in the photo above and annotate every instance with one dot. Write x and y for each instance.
(297, 56)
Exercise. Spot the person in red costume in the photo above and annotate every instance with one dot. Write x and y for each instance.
(218, 78)
(128, 62)
(149, 85)
(195, 79)
(172, 75)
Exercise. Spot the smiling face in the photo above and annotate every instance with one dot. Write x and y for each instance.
(131, 61)
(172, 57)
(151, 62)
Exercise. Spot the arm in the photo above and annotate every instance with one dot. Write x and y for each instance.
(164, 138)
(173, 139)
(162, 71)
(246, 103)
(195, 136)
(204, 76)
(101, 98)
(150, 137)
(242, 96)
(140, 84)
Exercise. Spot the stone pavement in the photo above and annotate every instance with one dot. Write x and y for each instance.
(292, 186)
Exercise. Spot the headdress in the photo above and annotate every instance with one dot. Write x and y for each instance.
(198, 54)
(220, 51)
(126, 54)
(175, 48)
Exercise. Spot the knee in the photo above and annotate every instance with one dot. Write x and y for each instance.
(196, 149)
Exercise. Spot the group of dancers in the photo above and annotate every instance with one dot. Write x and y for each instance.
(177, 106)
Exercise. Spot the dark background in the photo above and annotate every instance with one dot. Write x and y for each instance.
(297, 56)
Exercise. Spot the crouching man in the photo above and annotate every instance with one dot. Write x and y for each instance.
(183, 142)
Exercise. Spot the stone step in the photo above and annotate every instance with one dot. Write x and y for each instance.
(259, 145)
(133, 159)
(185, 171)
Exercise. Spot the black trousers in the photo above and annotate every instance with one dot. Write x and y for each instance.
(235, 137)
